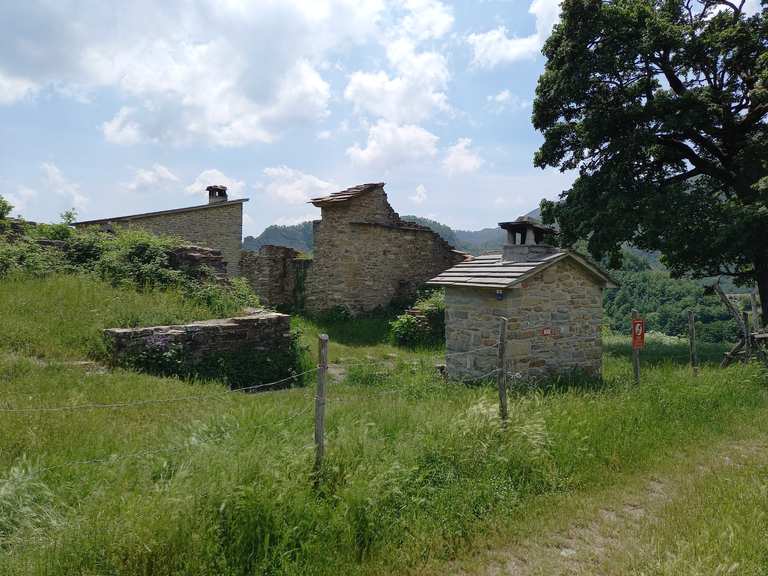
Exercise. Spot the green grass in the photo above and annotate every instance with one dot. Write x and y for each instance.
(417, 469)
(61, 317)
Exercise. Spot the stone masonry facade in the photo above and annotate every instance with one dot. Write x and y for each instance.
(276, 274)
(262, 336)
(554, 325)
(365, 256)
(218, 226)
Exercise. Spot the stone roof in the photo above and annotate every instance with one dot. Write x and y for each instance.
(160, 212)
(490, 271)
(347, 194)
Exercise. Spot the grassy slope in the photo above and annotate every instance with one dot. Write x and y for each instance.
(417, 469)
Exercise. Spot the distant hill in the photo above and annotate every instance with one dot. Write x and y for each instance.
(298, 236)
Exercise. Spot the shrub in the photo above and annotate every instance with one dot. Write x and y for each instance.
(5, 208)
(425, 329)
(27, 258)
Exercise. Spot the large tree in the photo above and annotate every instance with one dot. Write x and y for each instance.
(661, 107)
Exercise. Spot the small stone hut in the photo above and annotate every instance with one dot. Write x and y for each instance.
(552, 299)
(217, 225)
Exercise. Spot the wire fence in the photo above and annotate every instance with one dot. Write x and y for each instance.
(381, 367)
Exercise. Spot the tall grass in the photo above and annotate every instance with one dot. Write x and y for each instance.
(61, 316)
(415, 467)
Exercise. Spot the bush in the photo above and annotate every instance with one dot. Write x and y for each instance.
(426, 329)
(27, 258)
(5, 208)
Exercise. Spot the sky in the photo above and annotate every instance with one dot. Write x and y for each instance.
(115, 108)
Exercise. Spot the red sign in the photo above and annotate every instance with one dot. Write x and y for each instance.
(638, 334)
(546, 331)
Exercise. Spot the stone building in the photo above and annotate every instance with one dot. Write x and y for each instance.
(365, 257)
(552, 299)
(217, 225)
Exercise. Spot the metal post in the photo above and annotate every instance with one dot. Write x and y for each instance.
(320, 403)
(501, 376)
(692, 342)
(636, 352)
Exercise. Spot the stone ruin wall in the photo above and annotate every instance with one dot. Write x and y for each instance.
(260, 335)
(276, 274)
(564, 298)
(365, 256)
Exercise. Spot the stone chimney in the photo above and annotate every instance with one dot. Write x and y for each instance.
(526, 240)
(216, 194)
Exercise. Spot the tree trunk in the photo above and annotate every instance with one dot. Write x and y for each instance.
(761, 271)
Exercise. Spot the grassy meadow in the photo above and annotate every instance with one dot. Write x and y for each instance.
(418, 471)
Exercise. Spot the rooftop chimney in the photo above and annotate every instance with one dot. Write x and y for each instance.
(216, 194)
(525, 240)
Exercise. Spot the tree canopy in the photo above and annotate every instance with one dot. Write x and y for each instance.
(661, 107)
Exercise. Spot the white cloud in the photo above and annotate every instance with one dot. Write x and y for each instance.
(506, 100)
(426, 19)
(459, 159)
(291, 220)
(21, 198)
(324, 135)
(150, 178)
(293, 186)
(495, 47)
(412, 95)
(420, 196)
(215, 177)
(121, 130)
(390, 144)
(13, 89)
(219, 72)
(55, 182)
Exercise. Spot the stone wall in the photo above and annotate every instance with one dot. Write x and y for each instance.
(193, 259)
(276, 274)
(555, 321)
(218, 226)
(243, 351)
(365, 256)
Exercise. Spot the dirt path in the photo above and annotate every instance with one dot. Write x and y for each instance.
(605, 529)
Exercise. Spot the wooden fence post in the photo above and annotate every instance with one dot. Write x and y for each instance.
(692, 342)
(747, 336)
(322, 368)
(501, 375)
(636, 352)
(757, 316)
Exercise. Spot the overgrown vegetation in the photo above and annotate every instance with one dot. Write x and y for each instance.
(126, 258)
(425, 325)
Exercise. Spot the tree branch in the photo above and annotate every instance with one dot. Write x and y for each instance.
(688, 153)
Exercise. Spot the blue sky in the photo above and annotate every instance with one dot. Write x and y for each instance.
(118, 108)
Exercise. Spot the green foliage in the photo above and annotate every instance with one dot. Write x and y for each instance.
(5, 208)
(648, 99)
(427, 329)
(136, 257)
(664, 303)
(28, 257)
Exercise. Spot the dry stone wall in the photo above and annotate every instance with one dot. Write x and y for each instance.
(365, 256)
(243, 351)
(554, 327)
(276, 274)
